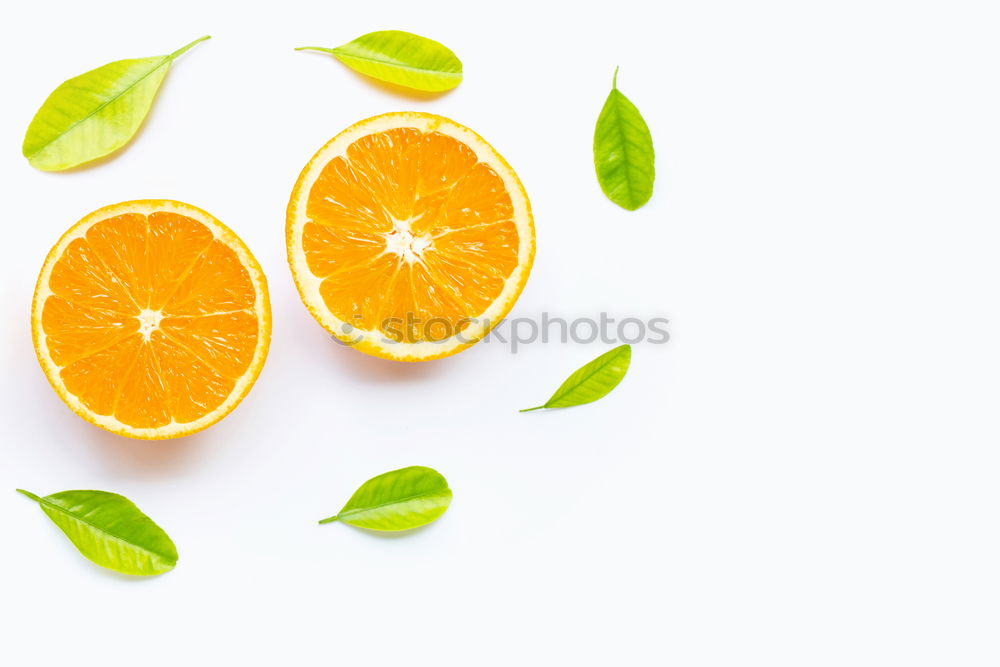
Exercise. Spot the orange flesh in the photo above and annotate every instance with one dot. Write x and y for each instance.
(410, 235)
(150, 319)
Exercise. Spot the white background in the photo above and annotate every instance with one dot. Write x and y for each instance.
(807, 474)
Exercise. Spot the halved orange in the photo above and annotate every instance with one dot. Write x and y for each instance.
(151, 319)
(409, 236)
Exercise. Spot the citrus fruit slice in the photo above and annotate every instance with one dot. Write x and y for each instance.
(151, 319)
(409, 237)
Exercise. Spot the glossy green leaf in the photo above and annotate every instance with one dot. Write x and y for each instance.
(591, 381)
(623, 152)
(401, 58)
(397, 500)
(96, 113)
(110, 530)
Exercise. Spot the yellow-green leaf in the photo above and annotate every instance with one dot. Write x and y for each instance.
(401, 58)
(397, 500)
(110, 530)
(623, 152)
(591, 381)
(96, 113)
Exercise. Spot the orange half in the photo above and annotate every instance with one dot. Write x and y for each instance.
(151, 319)
(409, 236)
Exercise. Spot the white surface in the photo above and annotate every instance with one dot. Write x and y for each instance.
(805, 475)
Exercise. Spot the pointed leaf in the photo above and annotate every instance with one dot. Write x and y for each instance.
(110, 530)
(96, 113)
(397, 500)
(401, 58)
(623, 152)
(591, 381)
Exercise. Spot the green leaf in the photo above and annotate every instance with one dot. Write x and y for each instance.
(96, 113)
(591, 381)
(110, 530)
(623, 152)
(397, 500)
(401, 58)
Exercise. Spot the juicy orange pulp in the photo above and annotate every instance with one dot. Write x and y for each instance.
(150, 319)
(410, 234)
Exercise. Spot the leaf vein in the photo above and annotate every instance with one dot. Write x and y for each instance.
(102, 106)
(397, 501)
(49, 503)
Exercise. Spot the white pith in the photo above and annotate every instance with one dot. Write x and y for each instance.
(401, 242)
(149, 320)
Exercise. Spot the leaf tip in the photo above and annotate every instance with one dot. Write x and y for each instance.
(626, 352)
(186, 47)
(28, 494)
(639, 204)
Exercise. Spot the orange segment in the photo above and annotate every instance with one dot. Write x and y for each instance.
(75, 331)
(120, 245)
(94, 379)
(151, 319)
(477, 197)
(141, 397)
(216, 283)
(193, 386)
(336, 249)
(182, 241)
(409, 236)
(82, 278)
(225, 342)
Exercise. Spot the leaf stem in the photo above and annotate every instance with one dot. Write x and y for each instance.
(614, 79)
(537, 407)
(314, 48)
(188, 46)
(330, 519)
(29, 494)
